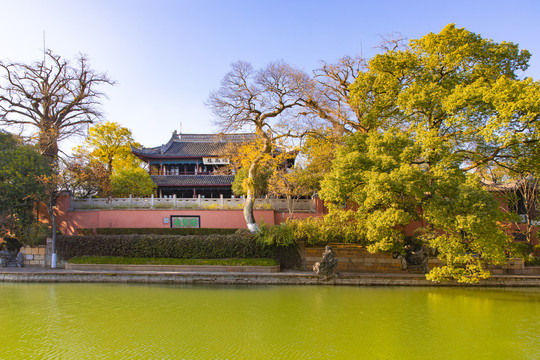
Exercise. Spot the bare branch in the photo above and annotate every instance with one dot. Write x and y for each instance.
(51, 97)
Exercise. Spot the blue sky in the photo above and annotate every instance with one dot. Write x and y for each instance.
(167, 56)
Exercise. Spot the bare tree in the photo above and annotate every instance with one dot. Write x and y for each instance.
(328, 97)
(522, 197)
(392, 42)
(52, 97)
(261, 101)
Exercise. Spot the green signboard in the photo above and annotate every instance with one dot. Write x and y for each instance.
(185, 221)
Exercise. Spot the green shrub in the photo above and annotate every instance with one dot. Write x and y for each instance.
(160, 231)
(215, 246)
(531, 261)
(169, 261)
(520, 249)
(335, 228)
(33, 234)
(279, 235)
(12, 244)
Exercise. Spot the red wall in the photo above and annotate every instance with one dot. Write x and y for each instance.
(69, 221)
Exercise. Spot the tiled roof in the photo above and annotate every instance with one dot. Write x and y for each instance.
(195, 149)
(193, 180)
(215, 137)
(192, 145)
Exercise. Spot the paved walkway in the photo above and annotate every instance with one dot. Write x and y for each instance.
(287, 277)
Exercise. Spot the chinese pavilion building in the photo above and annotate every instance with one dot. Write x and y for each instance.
(187, 166)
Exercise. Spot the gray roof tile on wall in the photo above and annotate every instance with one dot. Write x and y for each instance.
(193, 180)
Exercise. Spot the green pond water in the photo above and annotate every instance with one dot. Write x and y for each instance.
(111, 321)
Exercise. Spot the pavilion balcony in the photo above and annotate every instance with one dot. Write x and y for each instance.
(172, 173)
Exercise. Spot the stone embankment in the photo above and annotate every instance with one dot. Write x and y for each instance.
(355, 265)
(34, 256)
(237, 278)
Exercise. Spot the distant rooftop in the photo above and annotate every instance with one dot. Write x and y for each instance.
(192, 145)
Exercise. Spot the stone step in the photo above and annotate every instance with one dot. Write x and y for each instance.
(11, 263)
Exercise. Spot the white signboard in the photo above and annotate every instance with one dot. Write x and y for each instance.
(215, 161)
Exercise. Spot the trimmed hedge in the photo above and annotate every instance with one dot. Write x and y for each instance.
(168, 261)
(239, 245)
(156, 231)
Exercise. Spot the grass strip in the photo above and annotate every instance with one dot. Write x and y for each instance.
(115, 260)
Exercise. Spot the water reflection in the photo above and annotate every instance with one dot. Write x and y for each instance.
(193, 322)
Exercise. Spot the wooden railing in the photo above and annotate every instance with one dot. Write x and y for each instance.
(296, 205)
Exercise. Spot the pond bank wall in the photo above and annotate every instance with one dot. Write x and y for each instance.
(357, 259)
(284, 278)
(352, 259)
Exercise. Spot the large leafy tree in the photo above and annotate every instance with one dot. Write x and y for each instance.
(448, 104)
(21, 167)
(454, 90)
(379, 175)
(51, 99)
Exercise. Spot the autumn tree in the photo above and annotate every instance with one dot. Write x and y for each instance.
(240, 156)
(106, 151)
(260, 181)
(51, 99)
(316, 153)
(110, 144)
(86, 178)
(291, 184)
(261, 101)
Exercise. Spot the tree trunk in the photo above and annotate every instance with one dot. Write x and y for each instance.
(48, 142)
(250, 187)
(248, 213)
(250, 198)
